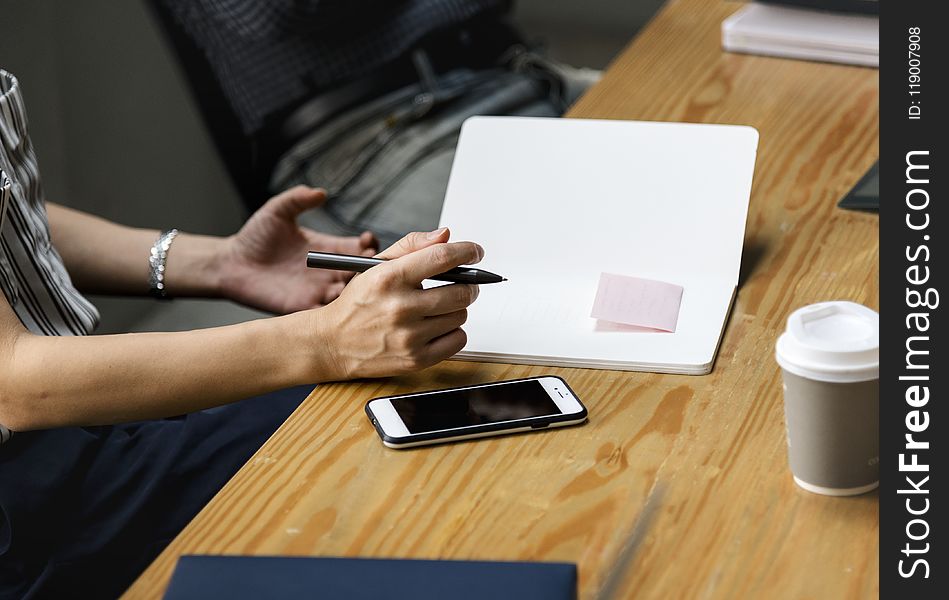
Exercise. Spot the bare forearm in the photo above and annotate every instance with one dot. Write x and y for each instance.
(107, 258)
(383, 323)
(109, 379)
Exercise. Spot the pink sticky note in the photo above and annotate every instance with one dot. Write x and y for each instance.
(639, 302)
(603, 325)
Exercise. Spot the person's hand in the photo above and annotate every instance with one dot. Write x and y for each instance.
(264, 264)
(384, 323)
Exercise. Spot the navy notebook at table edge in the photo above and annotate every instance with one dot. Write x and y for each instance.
(277, 577)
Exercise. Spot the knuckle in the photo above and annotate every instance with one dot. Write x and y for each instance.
(460, 295)
(457, 296)
(471, 292)
(404, 341)
(400, 364)
(402, 308)
(410, 241)
(416, 360)
(473, 252)
(387, 277)
(442, 254)
(461, 342)
(394, 309)
(463, 295)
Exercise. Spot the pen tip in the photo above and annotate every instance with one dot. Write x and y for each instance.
(504, 279)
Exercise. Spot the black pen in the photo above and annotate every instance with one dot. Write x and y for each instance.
(359, 264)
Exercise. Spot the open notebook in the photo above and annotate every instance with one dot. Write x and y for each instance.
(558, 202)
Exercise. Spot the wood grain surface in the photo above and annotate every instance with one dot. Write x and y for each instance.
(730, 523)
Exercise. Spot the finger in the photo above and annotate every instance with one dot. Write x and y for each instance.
(369, 243)
(415, 241)
(290, 203)
(424, 263)
(447, 298)
(435, 327)
(357, 245)
(443, 347)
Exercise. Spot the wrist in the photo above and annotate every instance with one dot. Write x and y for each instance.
(314, 358)
(194, 266)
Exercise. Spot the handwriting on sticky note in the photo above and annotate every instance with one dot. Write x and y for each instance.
(636, 301)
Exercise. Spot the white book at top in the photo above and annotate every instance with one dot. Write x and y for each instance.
(803, 33)
(557, 202)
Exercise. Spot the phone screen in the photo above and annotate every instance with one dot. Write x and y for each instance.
(478, 406)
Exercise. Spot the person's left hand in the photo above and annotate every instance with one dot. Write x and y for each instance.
(264, 264)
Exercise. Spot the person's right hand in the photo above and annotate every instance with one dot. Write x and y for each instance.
(384, 323)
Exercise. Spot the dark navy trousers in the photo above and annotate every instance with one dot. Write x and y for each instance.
(84, 510)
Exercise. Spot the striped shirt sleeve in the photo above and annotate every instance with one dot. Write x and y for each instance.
(33, 279)
(4, 194)
(6, 278)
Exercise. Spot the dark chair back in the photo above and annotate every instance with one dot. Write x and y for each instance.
(246, 161)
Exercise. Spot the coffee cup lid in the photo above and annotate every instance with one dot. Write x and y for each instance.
(832, 341)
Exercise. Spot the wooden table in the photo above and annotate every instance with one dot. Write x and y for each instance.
(731, 523)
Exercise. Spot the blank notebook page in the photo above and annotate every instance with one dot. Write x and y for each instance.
(557, 202)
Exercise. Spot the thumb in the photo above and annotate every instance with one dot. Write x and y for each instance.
(290, 203)
(415, 241)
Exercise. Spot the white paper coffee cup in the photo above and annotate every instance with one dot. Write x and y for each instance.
(829, 357)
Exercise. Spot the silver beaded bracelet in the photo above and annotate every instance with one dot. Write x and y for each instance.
(156, 263)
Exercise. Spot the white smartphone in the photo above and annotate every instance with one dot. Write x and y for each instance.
(475, 411)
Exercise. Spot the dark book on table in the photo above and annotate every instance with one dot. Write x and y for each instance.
(272, 577)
